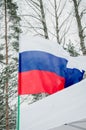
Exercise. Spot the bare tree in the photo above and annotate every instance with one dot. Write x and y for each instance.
(38, 15)
(56, 19)
(61, 27)
(79, 25)
(43, 19)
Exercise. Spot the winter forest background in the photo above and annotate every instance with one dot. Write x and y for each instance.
(63, 21)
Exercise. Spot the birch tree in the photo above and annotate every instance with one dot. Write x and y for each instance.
(59, 23)
(37, 18)
(43, 19)
(81, 29)
(58, 12)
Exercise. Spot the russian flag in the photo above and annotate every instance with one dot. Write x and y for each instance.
(43, 67)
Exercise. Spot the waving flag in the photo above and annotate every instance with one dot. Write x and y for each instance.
(43, 67)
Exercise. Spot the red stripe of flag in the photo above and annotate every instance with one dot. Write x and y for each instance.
(36, 81)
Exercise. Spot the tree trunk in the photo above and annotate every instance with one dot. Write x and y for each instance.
(7, 113)
(80, 29)
(56, 19)
(43, 20)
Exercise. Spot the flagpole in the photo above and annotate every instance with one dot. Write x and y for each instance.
(18, 114)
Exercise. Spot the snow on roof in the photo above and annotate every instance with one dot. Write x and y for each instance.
(61, 108)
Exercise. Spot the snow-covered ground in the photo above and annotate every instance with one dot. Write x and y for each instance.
(64, 107)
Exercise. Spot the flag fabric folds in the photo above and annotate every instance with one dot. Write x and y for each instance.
(43, 68)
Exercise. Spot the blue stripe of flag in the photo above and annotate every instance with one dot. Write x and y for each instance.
(38, 60)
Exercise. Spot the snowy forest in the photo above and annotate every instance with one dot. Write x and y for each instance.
(62, 21)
